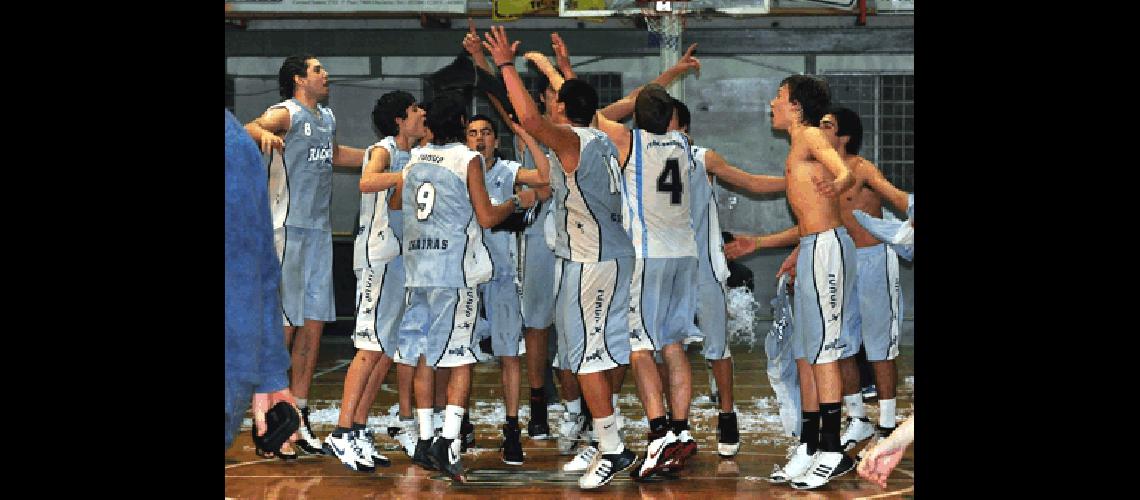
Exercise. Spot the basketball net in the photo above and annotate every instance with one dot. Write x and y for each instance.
(666, 20)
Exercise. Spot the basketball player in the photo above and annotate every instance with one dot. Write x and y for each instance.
(712, 271)
(299, 135)
(593, 277)
(500, 295)
(826, 265)
(445, 258)
(379, 280)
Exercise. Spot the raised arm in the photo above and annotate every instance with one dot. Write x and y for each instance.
(562, 55)
(268, 129)
(622, 108)
(822, 151)
(543, 64)
(895, 196)
(540, 176)
(756, 183)
(487, 214)
(561, 139)
(474, 47)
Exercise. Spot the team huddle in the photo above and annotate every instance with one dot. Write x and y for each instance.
(604, 233)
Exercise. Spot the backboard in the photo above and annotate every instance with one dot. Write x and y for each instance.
(606, 8)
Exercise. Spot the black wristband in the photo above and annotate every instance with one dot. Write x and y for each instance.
(508, 63)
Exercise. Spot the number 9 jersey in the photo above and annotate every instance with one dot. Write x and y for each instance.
(443, 242)
(656, 179)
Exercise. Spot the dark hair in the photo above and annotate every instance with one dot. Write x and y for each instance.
(388, 107)
(293, 66)
(581, 101)
(446, 118)
(683, 117)
(848, 125)
(812, 95)
(653, 109)
(481, 116)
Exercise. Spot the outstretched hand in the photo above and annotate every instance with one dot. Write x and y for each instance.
(559, 46)
(740, 246)
(501, 49)
(878, 463)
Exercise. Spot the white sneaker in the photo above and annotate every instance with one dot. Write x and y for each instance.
(569, 430)
(798, 462)
(309, 443)
(344, 448)
(858, 429)
(824, 467)
(367, 446)
(604, 467)
(655, 457)
(582, 460)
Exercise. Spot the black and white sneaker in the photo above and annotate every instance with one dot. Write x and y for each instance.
(512, 446)
(367, 446)
(603, 468)
(728, 435)
(308, 442)
(344, 448)
(444, 454)
(422, 456)
(826, 466)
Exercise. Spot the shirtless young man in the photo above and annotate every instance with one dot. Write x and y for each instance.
(825, 261)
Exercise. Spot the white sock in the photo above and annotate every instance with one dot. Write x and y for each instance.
(574, 406)
(452, 419)
(424, 416)
(887, 413)
(613, 401)
(302, 403)
(854, 403)
(606, 430)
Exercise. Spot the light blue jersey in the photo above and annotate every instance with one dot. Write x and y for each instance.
(502, 244)
(443, 243)
(536, 229)
(588, 215)
(711, 263)
(300, 181)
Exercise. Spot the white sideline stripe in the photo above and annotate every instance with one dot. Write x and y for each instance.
(340, 364)
(888, 494)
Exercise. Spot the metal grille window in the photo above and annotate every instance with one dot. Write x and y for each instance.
(885, 104)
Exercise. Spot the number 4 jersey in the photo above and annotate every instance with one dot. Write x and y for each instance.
(443, 242)
(656, 178)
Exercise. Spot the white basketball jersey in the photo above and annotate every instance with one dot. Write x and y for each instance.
(375, 241)
(657, 180)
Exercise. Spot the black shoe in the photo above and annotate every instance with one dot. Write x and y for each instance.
(444, 457)
(538, 427)
(728, 435)
(466, 433)
(605, 467)
(422, 456)
(512, 445)
(308, 442)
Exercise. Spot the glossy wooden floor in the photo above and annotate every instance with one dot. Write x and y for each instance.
(707, 475)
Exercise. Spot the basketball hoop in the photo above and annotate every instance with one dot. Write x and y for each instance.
(666, 20)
